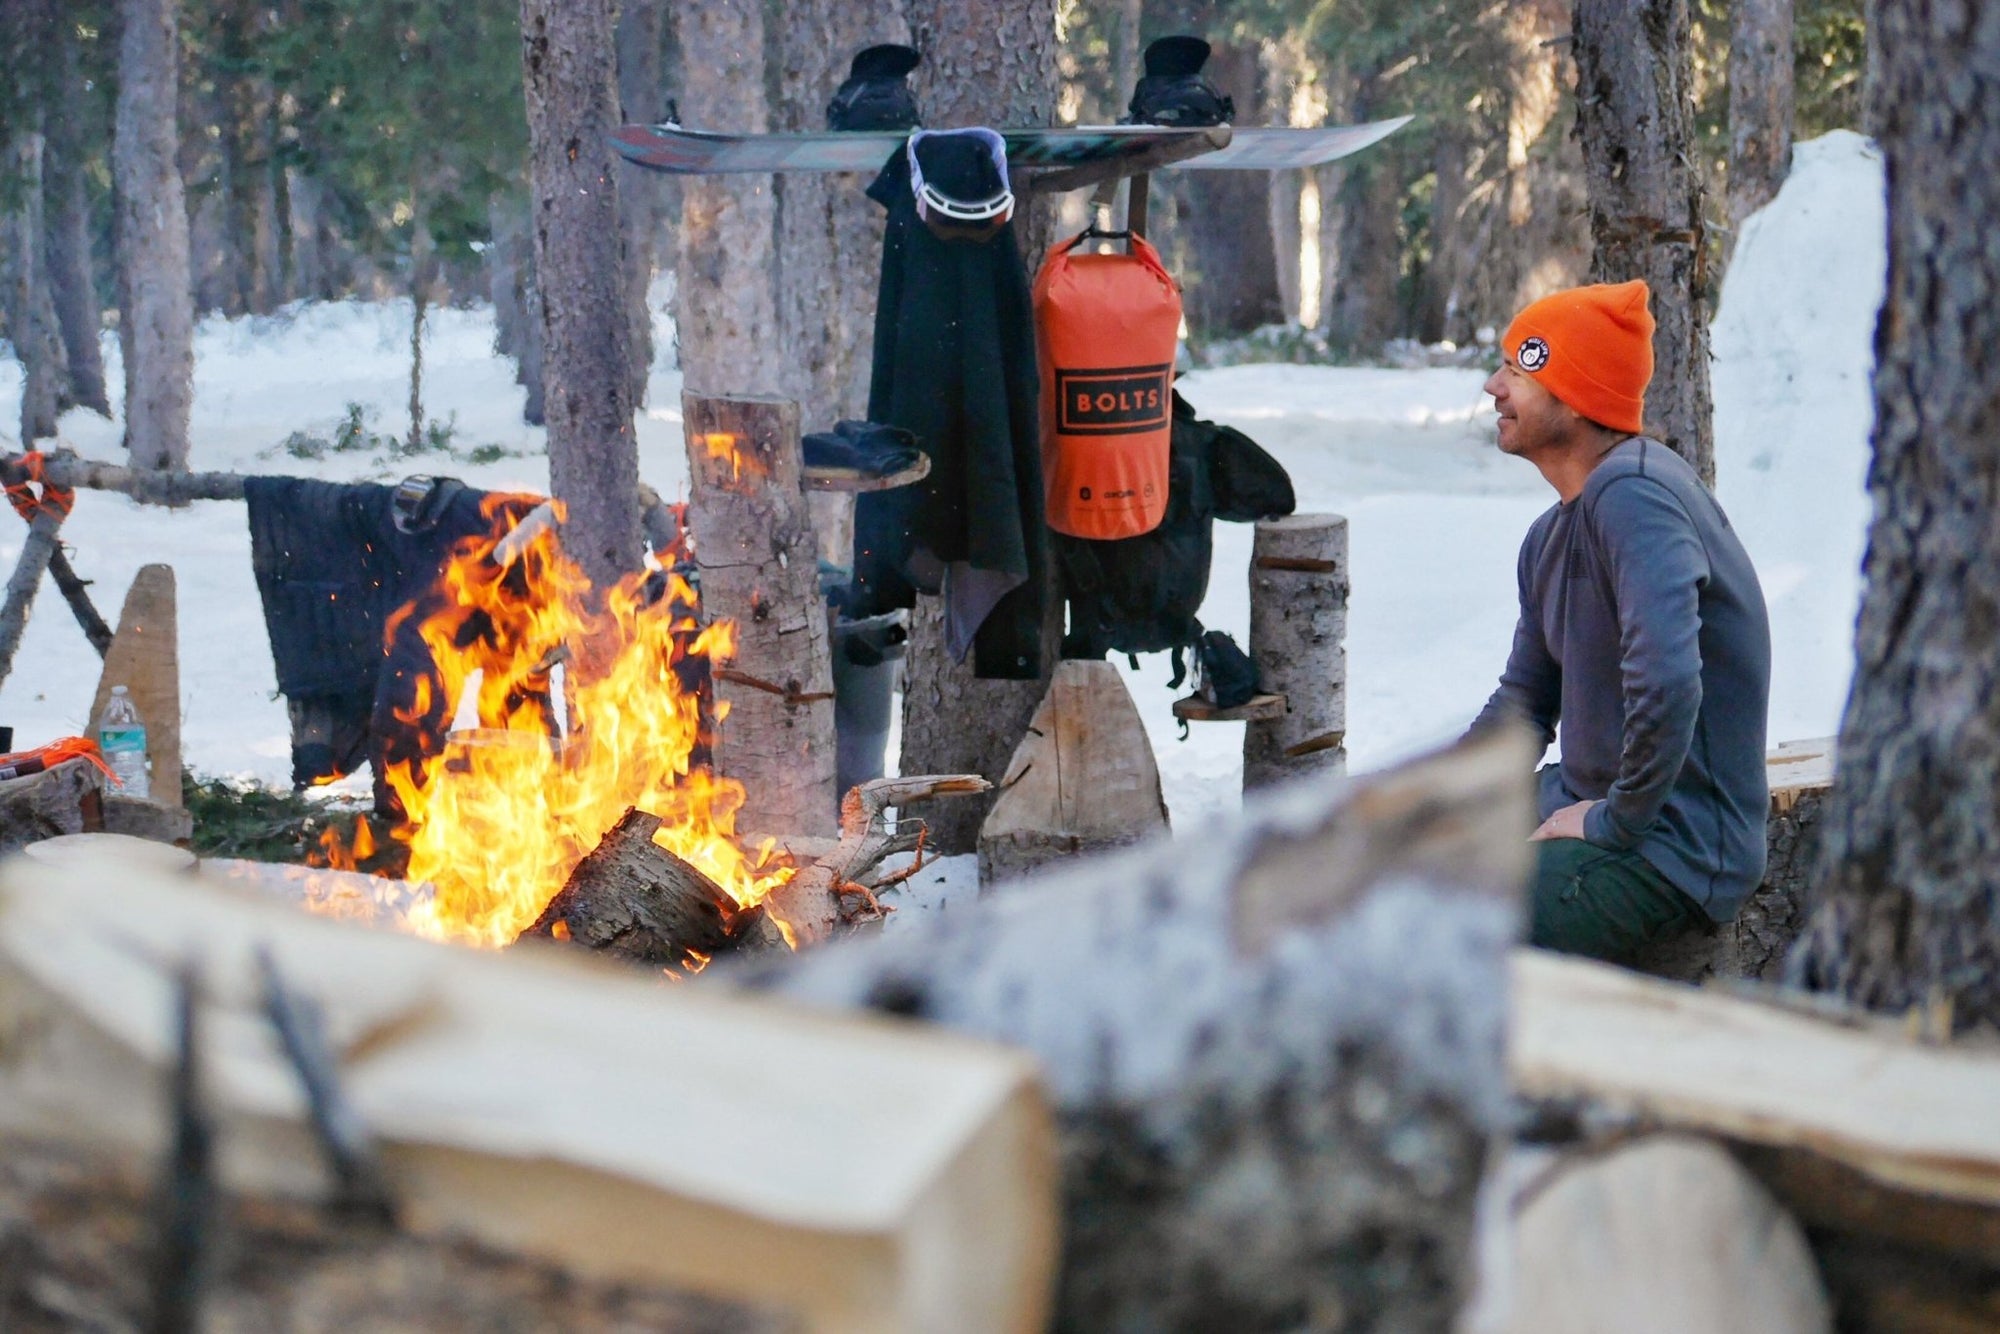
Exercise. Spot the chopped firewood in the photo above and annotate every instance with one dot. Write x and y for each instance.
(606, 1127)
(1848, 1119)
(1670, 1226)
(1275, 1048)
(631, 898)
(1083, 780)
(77, 1227)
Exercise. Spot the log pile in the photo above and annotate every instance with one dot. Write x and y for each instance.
(590, 1125)
(1276, 1066)
(1885, 1147)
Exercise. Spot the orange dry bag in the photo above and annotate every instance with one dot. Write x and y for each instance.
(1106, 326)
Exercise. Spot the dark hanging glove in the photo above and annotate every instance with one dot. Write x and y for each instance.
(864, 449)
(1228, 676)
(877, 93)
(1172, 91)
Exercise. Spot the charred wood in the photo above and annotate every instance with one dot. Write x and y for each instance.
(631, 898)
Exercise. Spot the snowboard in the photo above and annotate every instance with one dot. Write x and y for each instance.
(1255, 148)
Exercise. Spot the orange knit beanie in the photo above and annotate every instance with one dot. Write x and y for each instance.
(1592, 347)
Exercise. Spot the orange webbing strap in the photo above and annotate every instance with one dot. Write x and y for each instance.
(21, 763)
(28, 502)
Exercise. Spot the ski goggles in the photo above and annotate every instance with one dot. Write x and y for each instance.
(949, 216)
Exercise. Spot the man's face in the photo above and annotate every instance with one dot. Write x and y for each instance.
(1531, 418)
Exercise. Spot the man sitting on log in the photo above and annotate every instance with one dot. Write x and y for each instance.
(1642, 630)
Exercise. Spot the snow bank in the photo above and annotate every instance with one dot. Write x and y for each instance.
(1793, 348)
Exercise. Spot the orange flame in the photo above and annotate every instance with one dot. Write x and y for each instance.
(722, 445)
(496, 822)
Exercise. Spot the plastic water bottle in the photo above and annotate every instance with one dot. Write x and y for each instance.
(122, 737)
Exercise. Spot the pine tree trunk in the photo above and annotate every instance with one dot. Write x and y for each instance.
(517, 310)
(1234, 286)
(1001, 71)
(419, 305)
(829, 232)
(641, 99)
(593, 455)
(1362, 300)
(1910, 863)
(1760, 105)
(311, 274)
(79, 313)
(725, 306)
(1635, 115)
(31, 316)
(264, 213)
(153, 238)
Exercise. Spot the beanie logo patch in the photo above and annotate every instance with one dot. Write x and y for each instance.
(1533, 354)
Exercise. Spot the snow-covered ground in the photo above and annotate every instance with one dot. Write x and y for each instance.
(1435, 513)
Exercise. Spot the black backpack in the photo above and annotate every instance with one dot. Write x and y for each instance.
(1140, 594)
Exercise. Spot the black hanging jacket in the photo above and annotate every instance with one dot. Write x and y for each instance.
(955, 366)
(332, 567)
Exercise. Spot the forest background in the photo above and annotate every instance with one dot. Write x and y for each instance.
(363, 148)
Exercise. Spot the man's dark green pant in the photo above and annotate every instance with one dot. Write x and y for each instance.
(1604, 904)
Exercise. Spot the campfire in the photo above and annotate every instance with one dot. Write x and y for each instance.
(590, 705)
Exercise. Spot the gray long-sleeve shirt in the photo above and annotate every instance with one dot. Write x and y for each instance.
(1643, 632)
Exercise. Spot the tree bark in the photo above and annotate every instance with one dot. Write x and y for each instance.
(593, 455)
(725, 301)
(829, 234)
(1001, 71)
(517, 309)
(637, 902)
(79, 313)
(311, 271)
(638, 40)
(1909, 912)
(31, 315)
(153, 238)
(65, 799)
(24, 583)
(1635, 116)
(1760, 105)
(1298, 639)
(759, 568)
(1234, 286)
(1243, 1045)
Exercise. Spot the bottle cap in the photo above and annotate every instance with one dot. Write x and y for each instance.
(118, 690)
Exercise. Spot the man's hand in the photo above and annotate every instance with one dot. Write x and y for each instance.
(1565, 823)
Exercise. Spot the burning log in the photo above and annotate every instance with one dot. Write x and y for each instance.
(839, 886)
(631, 898)
(1276, 1051)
